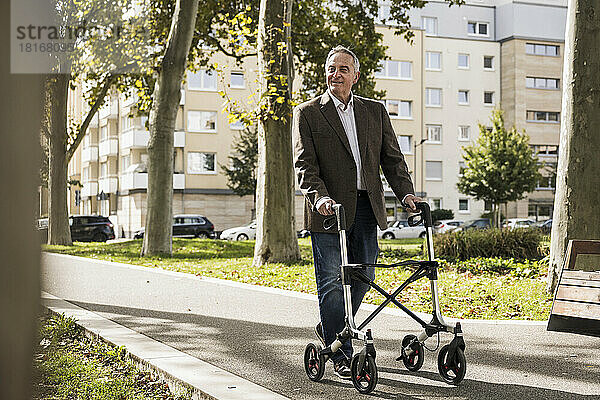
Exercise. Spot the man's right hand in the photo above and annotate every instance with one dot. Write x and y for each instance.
(327, 207)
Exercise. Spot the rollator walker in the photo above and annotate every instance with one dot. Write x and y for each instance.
(452, 364)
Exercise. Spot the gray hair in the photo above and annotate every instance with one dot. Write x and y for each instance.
(345, 50)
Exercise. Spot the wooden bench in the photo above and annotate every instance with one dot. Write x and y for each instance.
(576, 306)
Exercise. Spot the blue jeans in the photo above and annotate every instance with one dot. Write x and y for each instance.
(362, 248)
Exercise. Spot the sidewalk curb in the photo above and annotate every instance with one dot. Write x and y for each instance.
(185, 375)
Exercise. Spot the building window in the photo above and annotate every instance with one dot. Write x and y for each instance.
(405, 143)
(86, 140)
(202, 121)
(144, 121)
(543, 116)
(202, 80)
(394, 69)
(434, 133)
(488, 98)
(435, 203)
(433, 170)
(430, 26)
(463, 205)
(399, 108)
(103, 132)
(542, 83)
(237, 80)
(433, 60)
(201, 163)
(126, 122)
(125, 162)
(463, 97)
(545, 150)
(464, 132)
(383, 13)
(463, 60)
(542, 49)
(488, 62)
(433, 97)
(477, 28)
(103, 170)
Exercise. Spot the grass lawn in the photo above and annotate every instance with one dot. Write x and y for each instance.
(68, 365)
(463, 294)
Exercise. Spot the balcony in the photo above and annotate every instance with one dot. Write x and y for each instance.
(179, 139)
(108, 185)
(139, 180)
(89, 154)
(94, 122)
(110, 109)
(90, 188)
(109, 147)
(182, 100)
(136, 138)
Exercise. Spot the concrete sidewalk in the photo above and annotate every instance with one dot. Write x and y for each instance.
(259, 334)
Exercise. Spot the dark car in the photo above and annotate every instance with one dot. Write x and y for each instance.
(188, 225)
(481, 223)
(84, 228)
(545, 226)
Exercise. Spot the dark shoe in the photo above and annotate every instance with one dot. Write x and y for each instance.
(342, 369)
(319, 333)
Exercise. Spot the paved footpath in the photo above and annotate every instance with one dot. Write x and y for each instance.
(259, 334)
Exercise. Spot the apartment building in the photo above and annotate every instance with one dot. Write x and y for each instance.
(463, 62)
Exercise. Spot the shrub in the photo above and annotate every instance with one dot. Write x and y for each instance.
(519, 244)
(441, 213)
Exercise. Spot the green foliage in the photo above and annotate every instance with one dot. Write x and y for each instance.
(501, 166)
(70, 366)
(441, 213)
(499, 266)
(241, 174)
(520, 244)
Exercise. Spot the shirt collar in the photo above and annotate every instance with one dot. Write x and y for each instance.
(339, 103)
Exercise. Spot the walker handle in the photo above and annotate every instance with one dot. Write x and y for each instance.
(424, 215)
(340, 216)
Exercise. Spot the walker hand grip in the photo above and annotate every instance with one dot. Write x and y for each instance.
(423, 216)
(340, 215)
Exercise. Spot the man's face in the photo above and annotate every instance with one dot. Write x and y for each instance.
(341, 75)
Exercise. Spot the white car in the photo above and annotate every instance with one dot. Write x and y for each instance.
(513, 223)
(245, 232)
(401, 230)
(447, 225)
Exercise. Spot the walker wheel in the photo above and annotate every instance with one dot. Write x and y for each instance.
(314, 362)
(414, 362)
(364, 380)
(452, 370)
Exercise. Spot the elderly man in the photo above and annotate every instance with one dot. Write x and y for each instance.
(340, 142)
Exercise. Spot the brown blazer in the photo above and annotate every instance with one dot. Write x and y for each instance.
(324, 164)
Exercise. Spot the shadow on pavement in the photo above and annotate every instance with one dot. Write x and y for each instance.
(271, 356)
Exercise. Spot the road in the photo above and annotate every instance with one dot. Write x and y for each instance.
(260, 335)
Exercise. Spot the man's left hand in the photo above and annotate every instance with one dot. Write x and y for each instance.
(410, 201)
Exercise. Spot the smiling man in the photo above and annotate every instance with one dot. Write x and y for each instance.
(340, 142)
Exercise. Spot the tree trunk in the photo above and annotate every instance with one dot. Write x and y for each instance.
(20, 113)
(167, 93)
(58, 222)
(276, 239)
(576, 212)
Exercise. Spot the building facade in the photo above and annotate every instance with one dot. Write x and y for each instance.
(463, 62)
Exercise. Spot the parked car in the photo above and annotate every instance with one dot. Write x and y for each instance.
(545, 226)
(446, 225)
(84, 228)
(480, 223)
(513, 223)
(240, 233)
(188, 225)
(401, 230)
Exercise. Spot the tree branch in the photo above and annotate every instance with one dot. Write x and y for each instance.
(86, 122)
(238, 57)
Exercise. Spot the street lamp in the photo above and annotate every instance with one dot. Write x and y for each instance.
(415, 159)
